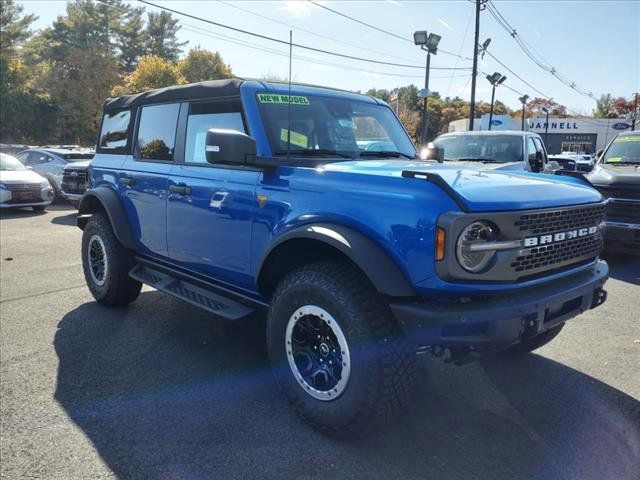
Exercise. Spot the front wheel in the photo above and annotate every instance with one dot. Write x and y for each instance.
(335, 348)
(106, 264)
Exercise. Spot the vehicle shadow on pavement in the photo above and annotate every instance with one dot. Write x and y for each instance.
(163, 390)
(69, 220)
(623, 267)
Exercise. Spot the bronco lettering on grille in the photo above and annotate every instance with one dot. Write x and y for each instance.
(559, 237)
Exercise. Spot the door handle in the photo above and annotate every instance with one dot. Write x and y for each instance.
(128, 181)
(180, 188)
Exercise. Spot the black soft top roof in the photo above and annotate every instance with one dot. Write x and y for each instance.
(209, 89)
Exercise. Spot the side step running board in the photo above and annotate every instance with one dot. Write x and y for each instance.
(196, 295)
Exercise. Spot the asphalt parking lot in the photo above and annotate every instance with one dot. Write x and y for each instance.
(162, 390)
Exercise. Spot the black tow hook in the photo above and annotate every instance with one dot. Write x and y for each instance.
(599, 297)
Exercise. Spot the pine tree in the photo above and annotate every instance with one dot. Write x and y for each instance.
(162, 40)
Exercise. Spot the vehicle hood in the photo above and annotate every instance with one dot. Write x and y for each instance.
(78, 165)
(609, 174)
(20, 176)
(484, 190)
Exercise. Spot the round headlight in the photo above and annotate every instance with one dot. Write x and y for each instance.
(469, 249)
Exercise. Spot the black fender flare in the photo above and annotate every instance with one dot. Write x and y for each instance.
(105, 198)
(383, 272)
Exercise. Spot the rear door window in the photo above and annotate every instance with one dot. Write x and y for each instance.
(157, 132)
(114, 135)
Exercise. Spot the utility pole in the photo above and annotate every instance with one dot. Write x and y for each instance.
(635, 114)
(472, 110)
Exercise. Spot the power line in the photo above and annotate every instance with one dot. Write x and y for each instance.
(297, 45)
(531, 53)
(310, 32)
(381, 30)
(225, 38)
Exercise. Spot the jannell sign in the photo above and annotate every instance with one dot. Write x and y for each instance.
(554, 125)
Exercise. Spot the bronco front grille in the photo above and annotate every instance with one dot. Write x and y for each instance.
(560, 220)
(549, 256)
(565, 253)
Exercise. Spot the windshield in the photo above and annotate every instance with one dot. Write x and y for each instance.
(7, 162)
(492, 148)
(332, 126)
(624, 150)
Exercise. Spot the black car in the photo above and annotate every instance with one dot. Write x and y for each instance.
(617, 177)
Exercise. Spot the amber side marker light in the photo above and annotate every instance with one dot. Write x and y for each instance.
(440, 237)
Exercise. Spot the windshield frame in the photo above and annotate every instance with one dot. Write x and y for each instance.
(617, 141)
(328, 155)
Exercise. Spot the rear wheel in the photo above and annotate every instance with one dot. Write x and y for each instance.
(336, 350)
(106, 264)
(533, 343)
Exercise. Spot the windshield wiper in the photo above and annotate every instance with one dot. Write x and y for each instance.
(622, 163)
(307, 152)
(386, 154)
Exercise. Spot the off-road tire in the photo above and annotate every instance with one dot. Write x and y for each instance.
(383, 364)
(533, 343)
(118, 288)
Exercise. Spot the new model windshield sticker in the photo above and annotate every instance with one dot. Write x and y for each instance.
(628, 138)
(614, 159)
(282, 99)
(297, 139)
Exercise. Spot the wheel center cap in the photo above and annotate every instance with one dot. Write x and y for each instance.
(324, 349)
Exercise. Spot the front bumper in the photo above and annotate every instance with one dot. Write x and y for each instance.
(496, 322)
(28, 204)
(625, 236)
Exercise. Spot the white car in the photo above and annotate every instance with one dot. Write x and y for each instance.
(50, 163)
(22, 187)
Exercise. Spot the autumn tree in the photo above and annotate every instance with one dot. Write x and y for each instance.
(25, 114)
(151, 72)
(535, 106)
(161, 36)
(200, 65)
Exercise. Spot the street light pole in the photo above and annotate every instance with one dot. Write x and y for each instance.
(425, 110)
(493, 96)
(429, 43)
(546, 126)
(495, 80)
(523, 99)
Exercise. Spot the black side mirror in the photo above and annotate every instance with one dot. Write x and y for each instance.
(537, 163)
(229, 146)
(433, 153)
(570, 166)
(599, 153)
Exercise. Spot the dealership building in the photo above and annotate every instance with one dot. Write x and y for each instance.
(571, 134)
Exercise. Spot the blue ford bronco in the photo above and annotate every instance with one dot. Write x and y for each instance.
(309, 204)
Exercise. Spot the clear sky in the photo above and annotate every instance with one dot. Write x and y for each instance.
(594, 43)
